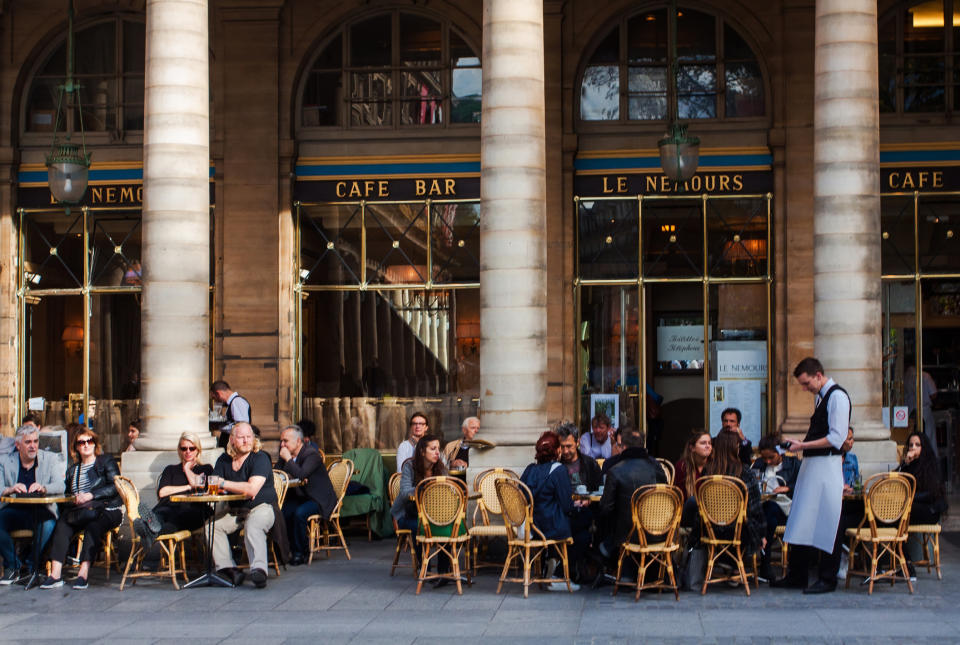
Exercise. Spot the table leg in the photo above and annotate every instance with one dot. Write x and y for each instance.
(35, 577)
(210, 578)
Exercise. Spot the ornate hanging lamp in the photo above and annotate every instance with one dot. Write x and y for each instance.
(679, 153)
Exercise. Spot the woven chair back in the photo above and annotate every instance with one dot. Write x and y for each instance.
(668, 469)
(722, 499)
(393, 487)
(485, 484)
(281, 482)
(441, 502)
(889, 498)
(130, 495)
(340, 473)
(656, 511)
(516, 505)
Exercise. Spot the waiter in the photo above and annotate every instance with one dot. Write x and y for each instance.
(818, 497)
(236, 410)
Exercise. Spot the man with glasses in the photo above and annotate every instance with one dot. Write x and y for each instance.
(27, 470)
(418, 427)
(302, 461)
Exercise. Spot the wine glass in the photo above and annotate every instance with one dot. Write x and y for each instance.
(201, 482)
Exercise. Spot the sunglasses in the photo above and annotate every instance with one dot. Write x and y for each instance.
(187, 448)
(84, 442)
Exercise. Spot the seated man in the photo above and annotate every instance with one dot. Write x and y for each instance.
(418, 427)
(635, 468)
(457, 452)
(771, 467)
(616, 451)
(730, 420)
(583, 471)
(245, 469)
(302, 461)
(596, 444)
(27, 470)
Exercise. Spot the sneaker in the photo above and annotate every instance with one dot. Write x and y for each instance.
(562, 586)
(912, 571)
(10, 576)
(51, 583)
(844, 566)
(259, 578)
(80, 583)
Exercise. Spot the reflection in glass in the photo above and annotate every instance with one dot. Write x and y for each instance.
(396, 243)
(609, 337)
(370, 42)
(115, 254)
(465, 100)
(673, 238)
(608, 239)
(600, 93)
(939, 231)
(744, 90)
(115, 346)
(53, 347)
(53, 250)
(737, 237)
(896, 237)
(456, 242)
(330, 244)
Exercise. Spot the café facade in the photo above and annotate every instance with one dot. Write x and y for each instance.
(349, 276)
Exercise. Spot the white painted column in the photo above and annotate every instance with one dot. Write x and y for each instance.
(176, 223)
(846, 254)
(513, 292)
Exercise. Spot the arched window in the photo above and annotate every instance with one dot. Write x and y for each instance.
(919, 60)
(626, 76)
(108, 65)
(395, 69)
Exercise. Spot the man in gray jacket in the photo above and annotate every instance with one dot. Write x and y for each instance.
(27, 470)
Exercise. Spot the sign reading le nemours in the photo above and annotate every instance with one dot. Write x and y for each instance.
(98, 195)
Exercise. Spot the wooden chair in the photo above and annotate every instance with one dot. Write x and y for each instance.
(722, 501)
(488, 504)
(887, 502)
(319, 530)
(778, 534)
(656, 514)
(524, 540)
(668, 469)
(930, 541)
(168, 542)
(404, 536)
(442, 510)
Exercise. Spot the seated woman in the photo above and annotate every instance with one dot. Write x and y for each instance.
(726, 461)
(929, 499)
(133, 433)
(424, 463)
(553, 502)
(97, 509)
(689, 468)
(176, 479)
(777, 474)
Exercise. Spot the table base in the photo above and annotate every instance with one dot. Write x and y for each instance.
(209, 579)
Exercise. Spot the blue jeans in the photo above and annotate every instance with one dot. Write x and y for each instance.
(296, 516)
(19, 519)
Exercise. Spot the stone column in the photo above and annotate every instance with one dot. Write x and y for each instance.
(846, 227)
(513, 292)
(176, 234)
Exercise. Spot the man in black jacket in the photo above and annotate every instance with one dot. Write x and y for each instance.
(636, 468)
(771, 467)
(317, 497)
(583, 470)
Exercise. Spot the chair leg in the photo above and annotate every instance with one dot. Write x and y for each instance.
(873, 568)
(566, 566)
(311, 540)
(455, 561)
(511, 551)
(936, 554)
(743, 571)
(343, 540)
(616, 583)
(706, 578)
(126, 571)
(396, 555)
(673, 579)
(903, 565)
(424, 562)
(526, 571)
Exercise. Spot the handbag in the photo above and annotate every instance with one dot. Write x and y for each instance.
(77, 515)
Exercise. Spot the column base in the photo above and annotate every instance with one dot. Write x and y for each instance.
(166, 442)
(795, 427)
(875, 456)
(143, 468)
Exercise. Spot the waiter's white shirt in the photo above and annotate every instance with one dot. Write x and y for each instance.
(818, 498)
(239, 410)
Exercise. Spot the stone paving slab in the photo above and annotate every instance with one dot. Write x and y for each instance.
(338, 601)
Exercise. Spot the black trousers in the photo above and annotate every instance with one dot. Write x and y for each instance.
(93, 533)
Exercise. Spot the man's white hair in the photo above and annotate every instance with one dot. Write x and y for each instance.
(468, 420)
(24, 430)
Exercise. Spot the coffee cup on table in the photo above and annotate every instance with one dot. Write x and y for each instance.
(581, 490)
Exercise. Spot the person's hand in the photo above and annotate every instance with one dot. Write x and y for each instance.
(285, 453)
(794, 445)
(188, 472)
(580, 503)
(740, 433)
(19, 488)
(763, 543)
(912, 454)
(458, 463)
(847, 489)
(37, 488)
(83, 498)
(781, 489)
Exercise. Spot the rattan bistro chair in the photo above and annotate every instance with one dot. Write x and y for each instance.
(404, 536)
(442, 511)
(930, 541)
(668, 469)
(168, 542)
(524, 540)
(488, 504)
(722, 501)
(656, 512)
(887, 502)
(321, 531)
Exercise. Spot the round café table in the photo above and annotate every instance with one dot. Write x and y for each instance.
(210, 577)
(36, 503)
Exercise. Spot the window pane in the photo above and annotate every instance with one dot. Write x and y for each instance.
(422, 83)
(428, 111)
(330, 245)
(696, 36)
(744, 90)
(648, 108)
(94, 52)
(371, 43)
(115, 256)
(460, 53)
(600, 93)
(888, 82)
(939, 230)
(647, 37)
(648, 79)
(134, 44)
(737, 237)
(673, 238)
(698, 107)
(923, 99)
(419, 40)
(697, 78)
(896, 240)
(396, 243)
(371, 114)
(608, 242)
(98, 99)
(322, 98)
(456, 242)
(53, 366)
(609, 337)
(53, 250)
(465, 101)
(923, 28)
(42, 106)
(114, 360)
(332, 55)
(734, 47)
(372, 85)
(919, 70)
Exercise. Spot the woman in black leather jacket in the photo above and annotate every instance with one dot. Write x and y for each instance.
(97, 510)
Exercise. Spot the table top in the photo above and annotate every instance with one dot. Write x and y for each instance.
(224, 497)
(39, 499)
(296, 483)
(593, 497)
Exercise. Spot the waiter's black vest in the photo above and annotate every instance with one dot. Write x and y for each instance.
(819, 426)
(229, 415)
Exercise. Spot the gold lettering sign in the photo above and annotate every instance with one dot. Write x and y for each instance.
(699, 183)
(915, 179)
(112, 195)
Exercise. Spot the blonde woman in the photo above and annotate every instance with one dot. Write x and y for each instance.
(176, 479)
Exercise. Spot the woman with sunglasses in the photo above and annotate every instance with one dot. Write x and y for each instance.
(96, 510)
(176, 479)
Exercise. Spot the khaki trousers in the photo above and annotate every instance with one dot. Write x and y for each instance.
(255, 529)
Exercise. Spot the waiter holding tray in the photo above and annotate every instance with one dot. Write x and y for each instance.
(818, 497)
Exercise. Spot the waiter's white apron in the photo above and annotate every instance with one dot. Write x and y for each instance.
(817, 501)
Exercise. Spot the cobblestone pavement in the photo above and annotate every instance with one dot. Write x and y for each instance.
(340, 601)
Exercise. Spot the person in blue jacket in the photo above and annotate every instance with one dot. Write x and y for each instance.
(552, 499)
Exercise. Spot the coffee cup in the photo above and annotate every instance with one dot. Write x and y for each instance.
(581, 490)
